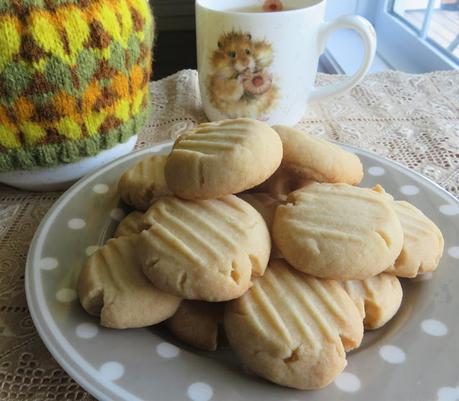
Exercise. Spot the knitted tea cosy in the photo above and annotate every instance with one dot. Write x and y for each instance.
(73, 78)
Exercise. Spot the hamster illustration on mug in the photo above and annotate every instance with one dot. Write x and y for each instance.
(240, 84)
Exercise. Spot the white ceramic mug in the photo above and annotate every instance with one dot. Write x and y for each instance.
(263, 64)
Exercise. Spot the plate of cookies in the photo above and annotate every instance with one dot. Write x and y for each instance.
(249, 262)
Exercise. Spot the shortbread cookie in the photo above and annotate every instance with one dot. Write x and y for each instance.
(378, 298)
(196, 323)
(318, 160)
(131, 224)
(204, 250)
(222, 158)
(292, 328)
(144, 183)
(282, 182)
(338, 231)
(423, 242)
(112, 286)
(266, 205)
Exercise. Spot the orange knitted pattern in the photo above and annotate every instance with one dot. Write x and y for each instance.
(73, 78)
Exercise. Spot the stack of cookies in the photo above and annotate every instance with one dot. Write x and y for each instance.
(261, 234)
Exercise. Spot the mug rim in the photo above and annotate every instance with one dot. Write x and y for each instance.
(199, 3)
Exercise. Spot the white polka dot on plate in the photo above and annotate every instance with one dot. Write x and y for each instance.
(448, 394)
(76, 224)
(409, 190)
(392, 354)
(100, 188)
(91, 249)
(348, 382)
(167, 350)
(449, 210)
(200, 392)
(48, 263)
(454, 252)
(434, 328)
(87, 330)
(66, 295)
(117, 214)
(376, 171)
(112, 370)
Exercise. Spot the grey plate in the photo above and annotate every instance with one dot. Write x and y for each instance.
(414, 357)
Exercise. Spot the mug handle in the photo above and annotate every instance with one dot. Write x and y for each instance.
(368, 35)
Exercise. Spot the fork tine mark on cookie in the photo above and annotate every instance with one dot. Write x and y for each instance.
(292, 335)
(199, 216)
(218, 159)
(197, 243)
(270, 313)
(204, 250)
(423, 244)
(202, 146)
(338, 231)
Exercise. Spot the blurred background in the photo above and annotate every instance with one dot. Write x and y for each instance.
(413, 36)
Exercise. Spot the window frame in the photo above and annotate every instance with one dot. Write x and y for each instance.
(397, 37)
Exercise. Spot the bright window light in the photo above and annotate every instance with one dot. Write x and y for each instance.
(434, 21)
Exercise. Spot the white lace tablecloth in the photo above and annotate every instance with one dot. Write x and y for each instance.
(412, 119)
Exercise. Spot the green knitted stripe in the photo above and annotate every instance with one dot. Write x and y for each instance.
(5, 6)
(71, 151)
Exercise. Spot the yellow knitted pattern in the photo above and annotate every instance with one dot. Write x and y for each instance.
(71, 71)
